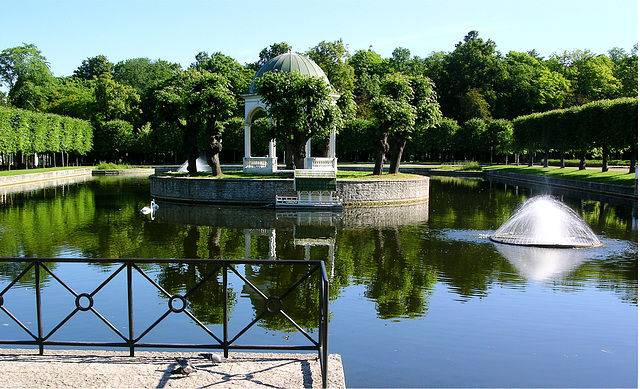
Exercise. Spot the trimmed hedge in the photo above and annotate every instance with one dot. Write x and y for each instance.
(33, 132)
(606, 124)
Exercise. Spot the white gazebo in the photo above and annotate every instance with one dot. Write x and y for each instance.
(288, 62)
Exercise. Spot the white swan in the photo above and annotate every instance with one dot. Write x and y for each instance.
(150, 209)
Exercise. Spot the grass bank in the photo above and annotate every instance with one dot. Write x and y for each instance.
(613, 177)
(341, 175)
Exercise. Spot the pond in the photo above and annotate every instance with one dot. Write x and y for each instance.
(419, 296)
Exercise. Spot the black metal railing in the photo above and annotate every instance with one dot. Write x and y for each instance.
(308, 275)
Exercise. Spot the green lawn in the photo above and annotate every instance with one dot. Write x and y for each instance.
(341, 175)
(614, 177)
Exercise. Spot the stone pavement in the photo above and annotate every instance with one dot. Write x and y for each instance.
(116, 369)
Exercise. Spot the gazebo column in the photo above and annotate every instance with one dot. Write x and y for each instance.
(247, 140)
(332, 144)
(272, 148)
(308, 162)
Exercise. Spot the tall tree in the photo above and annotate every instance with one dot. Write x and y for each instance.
(198, 103)
(93, 67)
(239, 76)
(404, 103)
(300, 107)
(529, 87)
(143, 74)
(115, 101)
(333, 58)
(368, 69)
(591, 76)
(474, 64)
(24, 61)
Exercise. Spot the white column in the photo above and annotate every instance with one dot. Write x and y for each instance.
(332, 144)
(308, 164)
(272, 148)
(247, 140)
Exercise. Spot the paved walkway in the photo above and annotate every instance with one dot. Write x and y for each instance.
(115, 369)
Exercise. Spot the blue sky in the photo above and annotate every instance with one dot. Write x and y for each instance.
(69, 31)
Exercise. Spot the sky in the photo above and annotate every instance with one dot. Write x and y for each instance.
(69, 31)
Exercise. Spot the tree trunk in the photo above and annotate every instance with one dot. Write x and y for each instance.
(396, 148)
(295, 151)
(633, 160)
(213, 150)
(546, 158)
(562, 161)
(381, 151)
(213, 156)
(531, 157)
(605, 159)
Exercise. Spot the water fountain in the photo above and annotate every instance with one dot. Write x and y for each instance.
(543, 221)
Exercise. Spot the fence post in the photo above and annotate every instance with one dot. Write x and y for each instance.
(39, 308)
(130, 308)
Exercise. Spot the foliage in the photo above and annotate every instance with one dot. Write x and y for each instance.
(300, 107)
(112, 166)
(197, 103)
(25, 62)
(333, 59)
(93, 67)
(404, 103)
(113, 138)
(610, 124)
(31, 132)
(473, 80)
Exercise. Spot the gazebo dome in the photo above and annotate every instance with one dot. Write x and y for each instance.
(289, 62)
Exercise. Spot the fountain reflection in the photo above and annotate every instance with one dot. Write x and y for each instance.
(542, 263)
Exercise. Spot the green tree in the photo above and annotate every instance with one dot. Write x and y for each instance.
(626, 70)
(239, 76)
(93, 67)
(71, 97)
(333, 58)
(115, 101)
(591, 76)
(197, 103)
(143, 74)
(113, 138)
(529, 87)
(472, 137)
(24, 61)
(368, 69)
(300, 107)
(404, 103)
(474, 105)
(501, 137)
(475, 64)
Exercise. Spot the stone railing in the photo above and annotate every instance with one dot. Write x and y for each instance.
(320, 163)
(260, 165)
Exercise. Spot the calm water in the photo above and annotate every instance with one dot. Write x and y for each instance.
(420, 297)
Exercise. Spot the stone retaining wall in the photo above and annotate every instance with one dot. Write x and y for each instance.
(594, 187)
(52, 175)
(264, 191)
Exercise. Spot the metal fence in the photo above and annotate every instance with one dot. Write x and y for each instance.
(311, 275)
